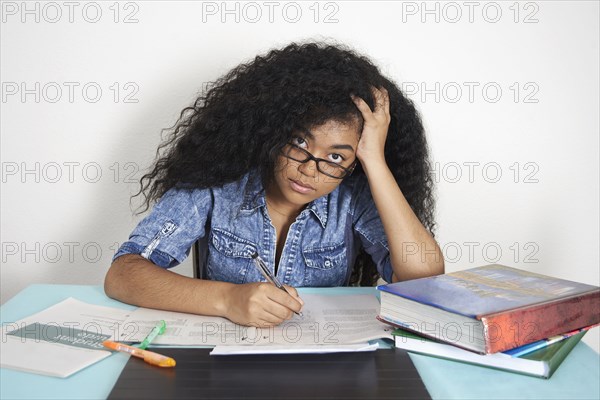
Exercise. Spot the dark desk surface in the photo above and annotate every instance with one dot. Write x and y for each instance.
(382, 374)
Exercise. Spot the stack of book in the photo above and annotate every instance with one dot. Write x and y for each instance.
(493, 315)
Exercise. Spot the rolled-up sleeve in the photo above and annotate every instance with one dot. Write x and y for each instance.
(369, 229)
(176, 221)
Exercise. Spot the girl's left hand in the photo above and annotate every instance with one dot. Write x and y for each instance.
(372, 142)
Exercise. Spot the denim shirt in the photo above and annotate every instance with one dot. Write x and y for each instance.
(320, 249)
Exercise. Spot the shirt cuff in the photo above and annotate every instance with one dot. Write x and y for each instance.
(157, 257)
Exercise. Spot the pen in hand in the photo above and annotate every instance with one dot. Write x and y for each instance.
(260, 264)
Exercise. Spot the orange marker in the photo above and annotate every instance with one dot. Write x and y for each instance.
(148, 356)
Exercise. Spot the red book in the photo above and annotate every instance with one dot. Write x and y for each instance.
(491, 308)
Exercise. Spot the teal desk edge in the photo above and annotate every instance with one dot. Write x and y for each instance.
(94, 382)
(577, 378)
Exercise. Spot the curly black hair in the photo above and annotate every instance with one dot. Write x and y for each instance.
(243, 119)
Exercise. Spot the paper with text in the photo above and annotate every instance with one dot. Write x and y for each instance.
(326, 320)
(284, 349)
(62, 339)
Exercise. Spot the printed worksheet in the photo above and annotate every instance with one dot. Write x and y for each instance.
(63, 338)
(326, 320)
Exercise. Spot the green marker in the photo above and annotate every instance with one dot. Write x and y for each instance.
(158, 330)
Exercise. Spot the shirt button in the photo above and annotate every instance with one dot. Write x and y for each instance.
(327, 263)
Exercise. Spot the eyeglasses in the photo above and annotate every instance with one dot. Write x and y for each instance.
(328, 168)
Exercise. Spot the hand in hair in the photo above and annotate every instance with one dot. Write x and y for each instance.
(372, 141)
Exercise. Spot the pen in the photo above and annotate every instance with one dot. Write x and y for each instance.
(150, 357)
(158, 330)
(540, 344)
(268, 275)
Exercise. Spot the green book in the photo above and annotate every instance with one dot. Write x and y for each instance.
(540, 363)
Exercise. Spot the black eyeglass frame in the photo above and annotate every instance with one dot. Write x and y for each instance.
(309, 157)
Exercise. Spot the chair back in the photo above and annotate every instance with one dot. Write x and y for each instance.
(200, 258)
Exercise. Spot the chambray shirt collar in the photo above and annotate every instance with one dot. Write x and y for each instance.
(254, 197)
(254, 194)
(319, 208)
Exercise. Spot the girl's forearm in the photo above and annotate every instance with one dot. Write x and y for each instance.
(133, 279)
(414, 253)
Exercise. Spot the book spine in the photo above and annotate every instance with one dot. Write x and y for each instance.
(562, 353)
(517, 327)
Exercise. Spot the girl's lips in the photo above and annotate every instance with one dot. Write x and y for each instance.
(301, 188)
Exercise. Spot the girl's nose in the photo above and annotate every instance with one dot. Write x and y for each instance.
(308, 168)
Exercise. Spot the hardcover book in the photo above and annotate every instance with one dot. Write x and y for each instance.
(490, 309)
(541, 363)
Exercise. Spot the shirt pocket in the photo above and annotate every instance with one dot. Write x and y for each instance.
(229, 256)
(325, 265)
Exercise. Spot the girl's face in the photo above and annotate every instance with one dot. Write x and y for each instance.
(298, 183)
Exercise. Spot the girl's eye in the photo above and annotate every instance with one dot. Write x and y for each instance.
(336, 158)
(298, 141)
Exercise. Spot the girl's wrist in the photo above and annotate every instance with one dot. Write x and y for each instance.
(223, 305)
(374, 165)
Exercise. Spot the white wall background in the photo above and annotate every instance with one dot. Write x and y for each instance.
(509, 93)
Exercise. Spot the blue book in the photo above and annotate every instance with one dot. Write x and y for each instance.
(490, 309)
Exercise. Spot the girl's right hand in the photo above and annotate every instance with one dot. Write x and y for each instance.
(261, 304)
